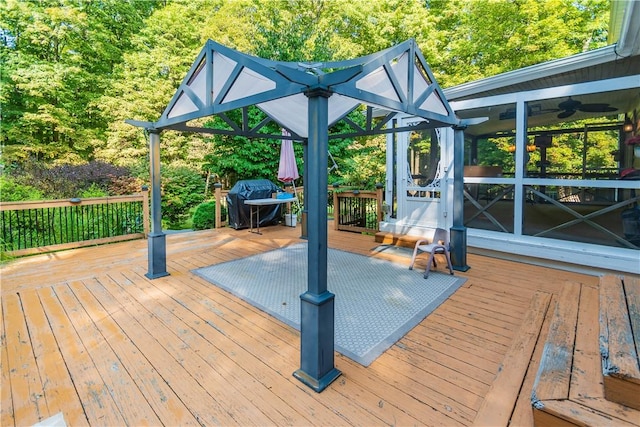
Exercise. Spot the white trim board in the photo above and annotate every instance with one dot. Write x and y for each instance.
(573, 256)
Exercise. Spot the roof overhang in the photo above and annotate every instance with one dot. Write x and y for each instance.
(606, 76)
(616, 60)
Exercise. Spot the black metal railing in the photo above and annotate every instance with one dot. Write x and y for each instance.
(30, 227)
(357, 210)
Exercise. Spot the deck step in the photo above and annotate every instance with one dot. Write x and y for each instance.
(386, 238)
(569, 385)
(620, 339)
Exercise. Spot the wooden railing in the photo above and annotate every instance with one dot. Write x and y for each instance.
(357, 210)
(352, 210)
(221, 201)
(44, 226)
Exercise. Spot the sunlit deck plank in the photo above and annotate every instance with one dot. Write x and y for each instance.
(97, 401)
(500, 400)
(59, 391)
(160, 397)
(454, 346)
(176, 361)
(202, 335)
(432, 356)
(27, 392)
(189, 333)
(6, 403)
(491, 306)
(116, 377)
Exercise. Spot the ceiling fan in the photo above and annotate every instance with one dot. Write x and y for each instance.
(532, 110)
(570, 106)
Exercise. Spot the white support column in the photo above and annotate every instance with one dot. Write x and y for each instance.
(521, 153)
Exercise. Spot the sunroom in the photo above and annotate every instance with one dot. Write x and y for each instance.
(552, 177)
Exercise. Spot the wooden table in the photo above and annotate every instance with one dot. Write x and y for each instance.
(263, 202)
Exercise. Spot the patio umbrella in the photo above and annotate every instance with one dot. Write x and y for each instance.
(288, 169)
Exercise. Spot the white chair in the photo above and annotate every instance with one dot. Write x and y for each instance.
(439, 245)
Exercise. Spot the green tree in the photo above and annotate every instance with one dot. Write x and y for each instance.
(73, 72)
(481, 38)
(161, 55)
(57, 58)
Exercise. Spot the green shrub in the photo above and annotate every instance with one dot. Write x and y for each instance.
(182, 189)
(93, 191)
(13, 191)
(4, 256)
(204, 216)
(66, 181)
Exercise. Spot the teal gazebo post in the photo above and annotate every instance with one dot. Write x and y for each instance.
(317, 303)
(458, 232)
(156, 240)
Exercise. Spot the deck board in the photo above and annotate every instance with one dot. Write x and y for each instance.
(58, 388)
(177, 350)
(27, 393)
(6, 403)
(500, 400)
(160, 397)
(97, 402)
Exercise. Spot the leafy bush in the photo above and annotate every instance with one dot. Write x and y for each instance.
(204, 216)
(124, 185)
(182, 189)
(66, 181)
(93, 191)
(4, 256)
(13, 191)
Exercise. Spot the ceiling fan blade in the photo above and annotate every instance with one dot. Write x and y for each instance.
(569, 104)
(548, 111)
(566, 113)
(596, 108)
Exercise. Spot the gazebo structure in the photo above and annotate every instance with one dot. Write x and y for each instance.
(306, 99)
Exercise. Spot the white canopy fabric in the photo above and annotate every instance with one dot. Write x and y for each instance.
(222, 79)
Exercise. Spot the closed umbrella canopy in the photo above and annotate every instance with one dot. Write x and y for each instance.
(288, 169)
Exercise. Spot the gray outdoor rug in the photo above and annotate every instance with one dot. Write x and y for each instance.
(377, 302)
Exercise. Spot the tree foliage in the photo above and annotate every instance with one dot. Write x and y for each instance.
(74, 71)
(58, 58)
(486, 37)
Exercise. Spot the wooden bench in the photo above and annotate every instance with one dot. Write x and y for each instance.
(620, 339)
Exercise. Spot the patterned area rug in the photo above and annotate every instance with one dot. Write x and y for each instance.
(377, 302)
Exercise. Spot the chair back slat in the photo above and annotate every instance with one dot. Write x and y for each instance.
(441, 235)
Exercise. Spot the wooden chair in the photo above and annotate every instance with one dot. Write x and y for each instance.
(439, 245)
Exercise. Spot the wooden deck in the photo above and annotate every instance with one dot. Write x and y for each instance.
(85, 333)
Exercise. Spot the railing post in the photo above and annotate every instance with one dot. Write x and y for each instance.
(336, 206)
(218, 199)
(145, 210)
(380, 200)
